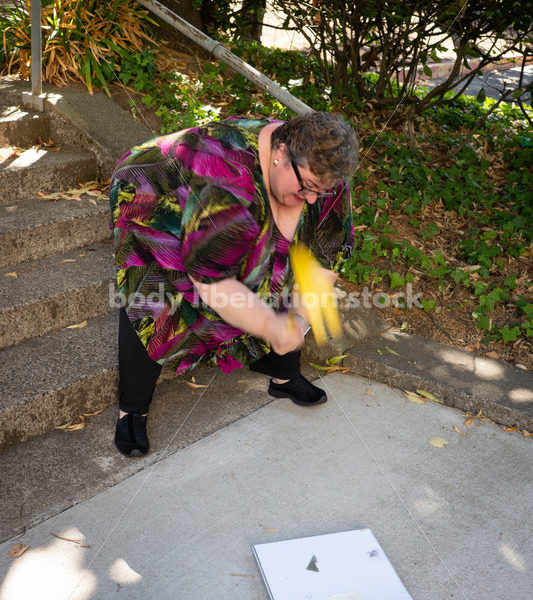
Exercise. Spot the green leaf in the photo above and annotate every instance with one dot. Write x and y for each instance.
(87, 73)
(99, 74)
(396, 280)
(428, 71)
(481, 96)
(390, 351)
(320, 367)
(336, 359)
(428, 395)
(510, 335)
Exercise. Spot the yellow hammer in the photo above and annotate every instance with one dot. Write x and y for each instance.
(316, 293)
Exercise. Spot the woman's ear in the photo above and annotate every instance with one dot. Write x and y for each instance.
(283, 152)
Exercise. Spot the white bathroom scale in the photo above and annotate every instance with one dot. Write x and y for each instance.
(349, 565)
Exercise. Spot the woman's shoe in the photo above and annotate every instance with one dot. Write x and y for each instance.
(130, 436)
(299, 390)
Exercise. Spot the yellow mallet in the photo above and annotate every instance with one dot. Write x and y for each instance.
(316, 293)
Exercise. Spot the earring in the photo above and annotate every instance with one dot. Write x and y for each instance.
(276, 162)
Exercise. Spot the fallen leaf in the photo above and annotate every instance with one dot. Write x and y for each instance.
(239, 575)
(17, 550)
(438, 442)
(94, 414)
(60, 537)
(468, 422)
(515, 428)
(12, 274)
(370, 392)
(78, 325)
(271, 531)
(390, 351)
(320, 367)
(492, 355)
(458, 430)
(527, 433)
(195, 385)
(73, 426)
(412, 397)
(429, 396)
(336, 359)
(337, 368)
(67, 260)
(469, 348)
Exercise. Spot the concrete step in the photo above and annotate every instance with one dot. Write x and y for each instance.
(48, 381)
(40, 170)
(49, 294)
(22, 128)
(34, 229)
(47, 474)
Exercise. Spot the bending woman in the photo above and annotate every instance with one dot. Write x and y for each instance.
(203, 220)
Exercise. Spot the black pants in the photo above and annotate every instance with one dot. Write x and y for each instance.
(138, 373)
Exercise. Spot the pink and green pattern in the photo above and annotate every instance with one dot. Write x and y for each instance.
(194, 203)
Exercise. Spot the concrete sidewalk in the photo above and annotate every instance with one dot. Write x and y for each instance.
(454, 521)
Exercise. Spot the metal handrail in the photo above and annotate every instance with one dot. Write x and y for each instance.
(36, 49)
(35, 98)
(223, 54)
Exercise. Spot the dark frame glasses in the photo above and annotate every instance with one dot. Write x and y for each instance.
(303, 189)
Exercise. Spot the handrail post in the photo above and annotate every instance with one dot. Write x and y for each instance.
(35, 99)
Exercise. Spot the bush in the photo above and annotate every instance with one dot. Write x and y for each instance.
(82, 40)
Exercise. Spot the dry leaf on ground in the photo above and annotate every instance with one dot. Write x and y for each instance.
(195, 385)
(60, 537)
(458, 430)
(94, 414)
(271, 531)
(17, 550)
(438, 442)
(73, 426)
(338, 368)
(78, 325)
(415, 398)
(12, 274)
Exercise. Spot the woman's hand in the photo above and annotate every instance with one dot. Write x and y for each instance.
(284, 333)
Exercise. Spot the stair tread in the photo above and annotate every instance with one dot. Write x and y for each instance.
(57, 274)
(42, 365)
(41, 158)
(9, 114)
(36, 212)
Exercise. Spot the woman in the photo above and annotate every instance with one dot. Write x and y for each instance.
(203, 220)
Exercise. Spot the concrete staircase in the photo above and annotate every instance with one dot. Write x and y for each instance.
(56, 266)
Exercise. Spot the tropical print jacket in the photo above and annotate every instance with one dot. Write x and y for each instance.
(195, 203)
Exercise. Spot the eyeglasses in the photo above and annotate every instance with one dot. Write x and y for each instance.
(306, 191)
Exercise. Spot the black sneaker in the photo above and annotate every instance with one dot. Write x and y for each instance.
(299, 390)
(130, 436)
